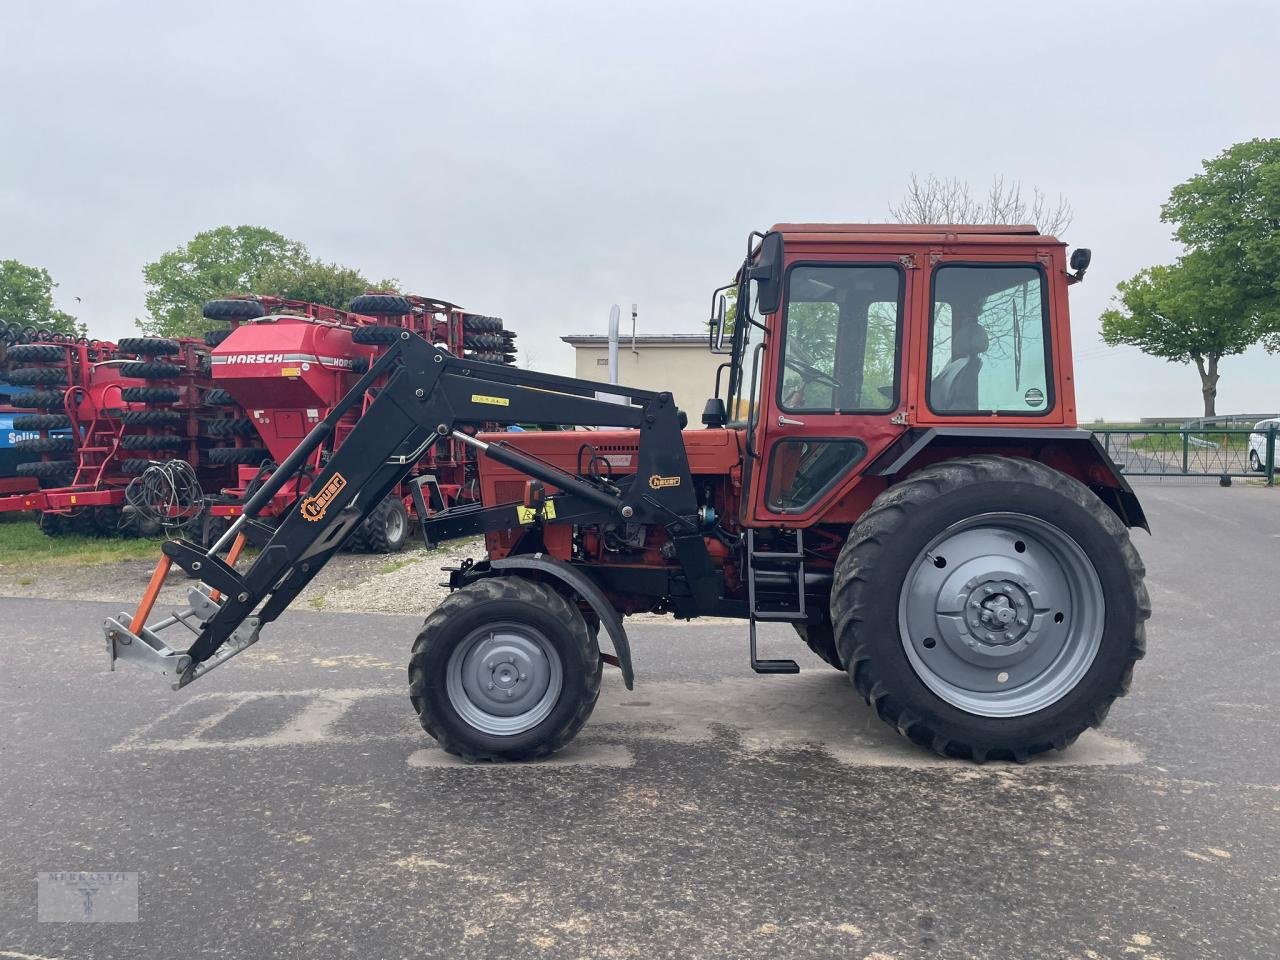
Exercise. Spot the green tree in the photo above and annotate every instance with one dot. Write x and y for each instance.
(212, 264)
(316, 282)
(26, 298)
(1231, 212)
(1185, 313)
(239, 260)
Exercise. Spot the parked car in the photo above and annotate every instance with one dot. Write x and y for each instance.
(1258, 444)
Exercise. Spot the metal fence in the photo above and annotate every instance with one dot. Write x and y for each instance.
(1193, 451)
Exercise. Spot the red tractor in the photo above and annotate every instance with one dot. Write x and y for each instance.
(891, 463)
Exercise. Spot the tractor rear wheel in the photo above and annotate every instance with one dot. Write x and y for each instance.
(990, 608)
(504, 669)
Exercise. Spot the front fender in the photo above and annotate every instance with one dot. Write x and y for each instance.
(549, 568)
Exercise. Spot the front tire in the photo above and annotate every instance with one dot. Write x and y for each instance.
(990, 608)
(1255, 462)
(504, 669)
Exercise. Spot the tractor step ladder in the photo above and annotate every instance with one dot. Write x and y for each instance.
(786, 562)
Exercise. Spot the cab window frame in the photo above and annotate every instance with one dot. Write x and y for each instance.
(899, 321)
(1051, 398)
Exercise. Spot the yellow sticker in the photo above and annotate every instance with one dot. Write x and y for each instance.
(657, 483)
(290, 372)
(313, 507)
(491, 401)
(527, 515)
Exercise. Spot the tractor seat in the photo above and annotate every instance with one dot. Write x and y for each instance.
(956, 387)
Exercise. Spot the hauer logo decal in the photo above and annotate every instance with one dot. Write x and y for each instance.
(313, 507)
(657, 482)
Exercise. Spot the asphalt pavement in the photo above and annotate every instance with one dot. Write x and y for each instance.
(288, 805)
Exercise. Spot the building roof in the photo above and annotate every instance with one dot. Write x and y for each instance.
(646, 340)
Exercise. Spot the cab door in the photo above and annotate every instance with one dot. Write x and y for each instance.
(832, 384)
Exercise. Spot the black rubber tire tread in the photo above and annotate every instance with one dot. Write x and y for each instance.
(42, 421)
(214, 337)
(40, 400)
(149, 346)
(45, 445)
(504, 598)
(821, 639)
(477, 324)
(53, 524)
(46, 469)
(885, 541)
(24, 376)
(161, 441)
(483, 341)
(151, 394)
(358, 540)
(485, 356)
(233, 310)
(218, 397)
(39, 352)
(376, 334)
(151, 418)
(150, 370)
(224, 455)
(228, 427)
(131, 465)
(380, 305)
(375, 524)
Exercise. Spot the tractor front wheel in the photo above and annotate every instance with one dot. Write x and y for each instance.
(990, 608)
(504, 669)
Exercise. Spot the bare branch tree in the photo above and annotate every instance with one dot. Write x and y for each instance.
(933, 200)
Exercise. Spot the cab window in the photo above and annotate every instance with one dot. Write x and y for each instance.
(840, 339)
(988, 341)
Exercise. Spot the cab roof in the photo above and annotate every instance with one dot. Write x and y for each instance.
(915, 232)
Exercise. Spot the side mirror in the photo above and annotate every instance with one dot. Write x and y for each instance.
(1080, 258)
(719, 320)
(767, 273)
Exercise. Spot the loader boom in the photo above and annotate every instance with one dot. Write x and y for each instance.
(427, 394)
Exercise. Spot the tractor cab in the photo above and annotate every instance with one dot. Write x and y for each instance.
(844, 339)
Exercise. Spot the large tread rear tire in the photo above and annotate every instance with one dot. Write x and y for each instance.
(504, 600)
(876, 560)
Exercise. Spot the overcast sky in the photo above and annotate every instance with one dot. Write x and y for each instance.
(541, 161)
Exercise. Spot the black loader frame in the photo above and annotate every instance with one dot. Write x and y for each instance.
(425, 394)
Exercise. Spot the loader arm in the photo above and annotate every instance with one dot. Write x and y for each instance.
(427, 394)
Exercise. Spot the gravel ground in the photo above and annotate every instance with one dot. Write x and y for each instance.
(410, 582)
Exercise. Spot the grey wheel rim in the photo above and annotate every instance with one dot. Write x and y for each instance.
(504, 678)
(1001, 614)
(395, 526)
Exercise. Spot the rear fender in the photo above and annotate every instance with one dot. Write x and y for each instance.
(1075, 452)
(570, 579)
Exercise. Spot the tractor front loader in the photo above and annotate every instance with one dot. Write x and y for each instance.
(890, 464)
(427, 396)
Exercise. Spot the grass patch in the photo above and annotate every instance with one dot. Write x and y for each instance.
(391, 566)
(22, 544)
(1172, 442)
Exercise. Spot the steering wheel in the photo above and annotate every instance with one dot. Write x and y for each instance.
(806, 369)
